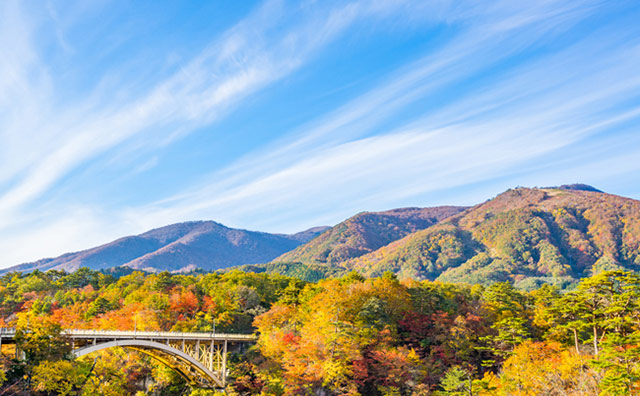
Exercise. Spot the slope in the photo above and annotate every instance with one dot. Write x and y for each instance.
(364, 233)
(526, 235)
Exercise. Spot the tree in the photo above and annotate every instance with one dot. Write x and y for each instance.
(510, 318)
(40, 339)
(61, 377)
(100, 306)
(620, 360)
(611, 301)
(457, 382)
(546, 368)
(571, 314)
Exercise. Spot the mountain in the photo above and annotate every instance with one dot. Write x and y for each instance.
(526, 235)
(178, 248)
(364, 233)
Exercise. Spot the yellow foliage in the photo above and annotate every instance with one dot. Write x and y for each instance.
(546, 368)
(61, 377)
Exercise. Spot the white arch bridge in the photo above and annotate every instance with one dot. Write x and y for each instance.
(201, 358)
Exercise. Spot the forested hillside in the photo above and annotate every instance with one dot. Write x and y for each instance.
(366, 232)
(529, 236)
(341, 336)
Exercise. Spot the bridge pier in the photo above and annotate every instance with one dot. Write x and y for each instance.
(224, 365)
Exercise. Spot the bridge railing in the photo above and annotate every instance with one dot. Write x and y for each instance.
(10, 332)
(158, 334)
(7, 331)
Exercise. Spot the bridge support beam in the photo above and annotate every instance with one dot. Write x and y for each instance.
(196, 372)
(224, 364)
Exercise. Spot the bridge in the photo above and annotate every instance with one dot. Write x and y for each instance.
(201, 358)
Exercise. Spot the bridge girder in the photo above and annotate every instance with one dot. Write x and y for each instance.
(199, 357)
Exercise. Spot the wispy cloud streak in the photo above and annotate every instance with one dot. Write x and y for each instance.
(43, 143)
(248, 57)
(535, 109)
(415, 133)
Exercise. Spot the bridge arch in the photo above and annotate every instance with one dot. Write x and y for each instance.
(156, 350)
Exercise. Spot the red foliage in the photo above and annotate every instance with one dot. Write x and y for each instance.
(185, 303)
(290, 338)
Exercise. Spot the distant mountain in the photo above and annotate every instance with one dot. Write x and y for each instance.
(364, 233)
(525, 235)
(179, 247)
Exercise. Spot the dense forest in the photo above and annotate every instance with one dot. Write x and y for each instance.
(341, 336)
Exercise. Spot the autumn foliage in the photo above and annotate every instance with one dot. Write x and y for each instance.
(340, 336)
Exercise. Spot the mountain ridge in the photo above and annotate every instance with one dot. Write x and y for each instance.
(178, 247)
(527, 236)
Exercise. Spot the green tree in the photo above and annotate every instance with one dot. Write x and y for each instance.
(610, 304)
(620, 360)
(458, 381)
(508, 308)
(571, 315)
(100, 306)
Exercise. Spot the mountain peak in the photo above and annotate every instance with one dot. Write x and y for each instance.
(579, 187)
(177, 247)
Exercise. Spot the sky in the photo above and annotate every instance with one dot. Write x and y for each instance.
(117, 117)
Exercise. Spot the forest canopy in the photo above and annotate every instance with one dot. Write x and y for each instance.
(341, 336)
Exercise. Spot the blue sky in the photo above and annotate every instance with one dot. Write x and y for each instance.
(117, 117)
